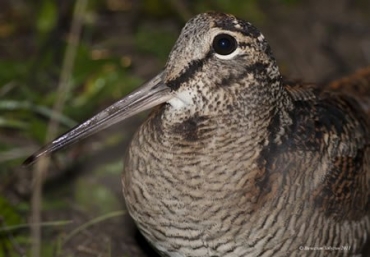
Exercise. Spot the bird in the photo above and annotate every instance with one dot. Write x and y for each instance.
(235, 160)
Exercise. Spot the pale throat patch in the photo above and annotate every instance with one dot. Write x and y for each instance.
(182, 99)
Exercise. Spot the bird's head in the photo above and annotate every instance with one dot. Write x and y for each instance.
(218, 64)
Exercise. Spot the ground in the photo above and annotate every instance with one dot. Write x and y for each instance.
(314, 41)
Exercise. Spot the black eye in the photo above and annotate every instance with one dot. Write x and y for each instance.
(224, 44)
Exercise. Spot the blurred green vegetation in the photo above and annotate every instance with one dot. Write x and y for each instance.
(33, 40)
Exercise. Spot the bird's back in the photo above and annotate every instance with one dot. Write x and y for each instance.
(356, 85)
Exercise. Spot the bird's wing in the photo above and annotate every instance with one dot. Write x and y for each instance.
(357, 85)
(331, 126)
(325, 150)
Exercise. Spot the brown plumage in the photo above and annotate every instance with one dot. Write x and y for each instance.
(237, 162)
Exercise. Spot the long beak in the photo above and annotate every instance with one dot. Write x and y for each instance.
(147, 96)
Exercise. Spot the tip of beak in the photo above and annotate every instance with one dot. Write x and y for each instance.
(30, 160)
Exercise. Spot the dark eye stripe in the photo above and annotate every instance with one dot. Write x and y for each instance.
(189, 72)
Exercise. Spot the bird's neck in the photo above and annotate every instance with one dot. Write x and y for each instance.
(252, 113)
(248, 125)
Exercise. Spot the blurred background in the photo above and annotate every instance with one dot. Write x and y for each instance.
(67, 60)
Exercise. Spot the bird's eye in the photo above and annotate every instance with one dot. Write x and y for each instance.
(224, 44)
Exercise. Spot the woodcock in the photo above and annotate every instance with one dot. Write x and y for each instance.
(235, 161)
